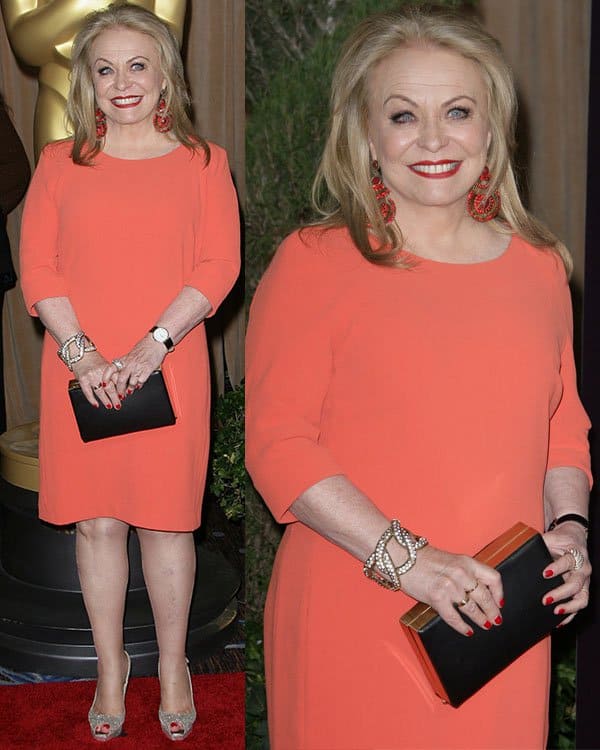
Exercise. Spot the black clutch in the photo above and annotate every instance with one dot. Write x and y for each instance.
(145, 409)
(456, 666)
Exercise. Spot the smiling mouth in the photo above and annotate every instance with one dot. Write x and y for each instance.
(123, 102)
(435, 169)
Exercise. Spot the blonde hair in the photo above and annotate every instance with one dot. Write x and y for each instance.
(342, 192)
(81, 103)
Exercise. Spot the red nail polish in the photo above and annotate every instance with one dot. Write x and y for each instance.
(561, 611)
(501, 602)
(129, 391)
(469, 633)
(121, 397)
(109, 406)
(487, 624)
(96, 405)
(104, 385)
(548, 573)
(548, 600)
(498, 620)
(117, 406)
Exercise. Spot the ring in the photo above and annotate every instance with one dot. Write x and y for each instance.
(98, 387)
(577, 557)
(118, 364)
(470, 591)
(463, 602)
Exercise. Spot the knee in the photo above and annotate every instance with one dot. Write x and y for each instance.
(96, 529)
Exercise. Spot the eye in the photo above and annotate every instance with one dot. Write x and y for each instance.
(138, 66)
(402, 117)
(459, 113)
(104, 70)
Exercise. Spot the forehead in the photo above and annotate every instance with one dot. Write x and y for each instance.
(425, 73)
(122, 42)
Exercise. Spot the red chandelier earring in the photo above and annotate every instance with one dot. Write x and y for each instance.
(481, 205)
(387, 207)
(100, 123)
(163, 119)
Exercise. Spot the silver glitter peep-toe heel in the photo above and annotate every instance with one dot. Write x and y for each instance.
(105, 727)
(177, 726)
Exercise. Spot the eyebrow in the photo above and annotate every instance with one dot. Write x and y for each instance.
(131, 59)
(444, 104)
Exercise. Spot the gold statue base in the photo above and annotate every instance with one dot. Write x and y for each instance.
(19, 462)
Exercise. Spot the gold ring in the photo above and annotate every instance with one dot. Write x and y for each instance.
(470, 591)
(578, 558)
(463, 602)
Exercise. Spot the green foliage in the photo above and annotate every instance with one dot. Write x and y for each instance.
(228, 475)
(256, 702)
(562, 694)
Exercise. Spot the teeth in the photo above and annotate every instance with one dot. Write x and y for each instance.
(127, 100)
(434, 168)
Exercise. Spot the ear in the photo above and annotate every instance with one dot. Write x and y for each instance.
(372, 151)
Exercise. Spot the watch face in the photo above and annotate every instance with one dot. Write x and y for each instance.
(160, 334)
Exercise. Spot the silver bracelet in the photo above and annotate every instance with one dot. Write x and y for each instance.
(379, 566)
(82, 343)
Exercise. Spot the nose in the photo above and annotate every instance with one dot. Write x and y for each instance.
(432, 136)
(122, 79)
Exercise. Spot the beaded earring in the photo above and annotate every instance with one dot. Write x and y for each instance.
(387, 207)
(480, 205)
(163, 119)
(100, 123)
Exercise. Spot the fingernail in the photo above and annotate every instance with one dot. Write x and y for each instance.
(487, 624)
(548, 573)
(117, 406)
(561, 611)
(548, 600)
(501, 602)
(121, 397)
(104, 385)
(109, 406)
(96, 405)
(129, 391)
(498, 620)
(469, 633)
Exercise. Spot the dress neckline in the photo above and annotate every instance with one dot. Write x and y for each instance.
(141, 161)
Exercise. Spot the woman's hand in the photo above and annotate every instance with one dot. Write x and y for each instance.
(138, 364)
(89, 371)
(575, 588)
(444, 580)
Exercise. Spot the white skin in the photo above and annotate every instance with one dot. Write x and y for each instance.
(125, 70)
(430, 105)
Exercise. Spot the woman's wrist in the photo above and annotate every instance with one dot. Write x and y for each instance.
(74, 348)
(569, 518)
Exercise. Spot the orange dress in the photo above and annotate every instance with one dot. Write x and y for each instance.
(444, 393)
(121, 239)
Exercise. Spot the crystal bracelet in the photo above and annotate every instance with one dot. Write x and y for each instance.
(380, 567)
(82, 343)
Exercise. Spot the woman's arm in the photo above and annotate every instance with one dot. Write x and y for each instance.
(59, 318)
(340, 512)
(566, 490)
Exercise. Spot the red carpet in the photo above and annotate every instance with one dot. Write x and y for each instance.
(53, 716)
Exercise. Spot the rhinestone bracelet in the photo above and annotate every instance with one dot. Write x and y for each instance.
(82, 343)
(379, 566)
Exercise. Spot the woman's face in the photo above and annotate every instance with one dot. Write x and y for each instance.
(428, 125)
(126, 75)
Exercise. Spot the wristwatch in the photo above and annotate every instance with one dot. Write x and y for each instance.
(162, 336)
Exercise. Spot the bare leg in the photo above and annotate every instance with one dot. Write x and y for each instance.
(169, 563)
(101, 546)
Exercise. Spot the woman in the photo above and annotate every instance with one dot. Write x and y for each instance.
(130, 240)
(410, 357)
(14, 178)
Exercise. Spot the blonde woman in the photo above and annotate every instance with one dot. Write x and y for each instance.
(130, 241)
(410, 357)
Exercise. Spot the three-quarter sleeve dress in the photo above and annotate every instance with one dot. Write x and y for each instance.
(121, 239)
(445, 393)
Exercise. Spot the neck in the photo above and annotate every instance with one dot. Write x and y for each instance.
(136, 141)
(448, 234)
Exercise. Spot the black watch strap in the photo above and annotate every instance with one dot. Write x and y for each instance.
(569, 517)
